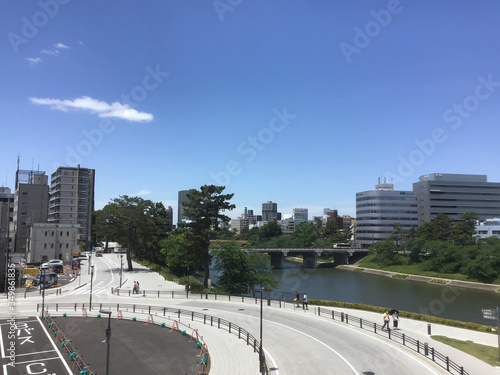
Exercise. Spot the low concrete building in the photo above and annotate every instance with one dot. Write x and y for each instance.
(488, 228)
(52, 241)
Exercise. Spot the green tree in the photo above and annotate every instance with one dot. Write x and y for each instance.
(397, 235)
(330, 230)
(386, 253)
(269, 231)
(305, 234)
(139, 223)
(204, 208)
(179, 252)
(241, 272)
(444, 256)
(438, 228)
(463, 232)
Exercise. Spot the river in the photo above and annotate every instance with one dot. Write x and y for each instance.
(347, 286)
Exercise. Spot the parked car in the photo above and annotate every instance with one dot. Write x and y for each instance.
(52, 263)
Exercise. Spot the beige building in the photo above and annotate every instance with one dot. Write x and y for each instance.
(52, 241)
(72, 199)
(31, 200)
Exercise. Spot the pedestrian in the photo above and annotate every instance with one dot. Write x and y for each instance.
(134, 290)
(387, 318)
(305, 306)
(138, 288)
(296, 300)
(395, 319)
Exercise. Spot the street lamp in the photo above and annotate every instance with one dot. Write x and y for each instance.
(108, 337)
(91, 279)
(42, 288)
(121, 269)
(261, 353)
(187, 287)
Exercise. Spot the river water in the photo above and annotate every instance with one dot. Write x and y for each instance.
(347, 286)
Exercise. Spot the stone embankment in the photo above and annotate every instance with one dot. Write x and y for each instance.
(423, 279)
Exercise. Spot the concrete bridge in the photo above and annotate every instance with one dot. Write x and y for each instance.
(310, 255)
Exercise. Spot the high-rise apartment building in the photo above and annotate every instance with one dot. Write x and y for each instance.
(31, 202)
(378, 210)
(270, 211)
(72, 199)
(456, 194)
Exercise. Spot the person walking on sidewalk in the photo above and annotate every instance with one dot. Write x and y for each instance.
(395, 319)
(296, 300)
(305, 306)
(386, 318)
(134, 290)
(137, 287)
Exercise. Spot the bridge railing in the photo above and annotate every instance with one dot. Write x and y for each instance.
(416, 345)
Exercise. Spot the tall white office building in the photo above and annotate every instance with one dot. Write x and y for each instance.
(378, 210)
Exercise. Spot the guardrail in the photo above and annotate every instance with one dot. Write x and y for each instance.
(420, 347)
(141, 309)
(401, 338)
(67, 345)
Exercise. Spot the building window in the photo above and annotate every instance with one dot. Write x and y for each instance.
(66, 245)
(61, 233)
(45, 233)
(24, 193)
(60, 245)
(67, 233)
(52, 233)
(44, 245)
(51, 245)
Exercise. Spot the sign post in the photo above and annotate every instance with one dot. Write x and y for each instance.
(494, 314)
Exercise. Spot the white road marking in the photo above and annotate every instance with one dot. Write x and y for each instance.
(70, 372)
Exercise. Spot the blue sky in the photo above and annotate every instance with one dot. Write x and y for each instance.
(303, 103)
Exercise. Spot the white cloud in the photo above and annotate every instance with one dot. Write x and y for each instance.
(142, 192)
(34, 60)
(49, 52)
(102, 109)
(60, 46)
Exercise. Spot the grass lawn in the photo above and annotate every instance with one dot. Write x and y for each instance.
(409, 269)
(488, 354)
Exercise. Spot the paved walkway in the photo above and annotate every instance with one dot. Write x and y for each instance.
(231, 355)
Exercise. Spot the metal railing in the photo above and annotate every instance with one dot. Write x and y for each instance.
(213, 321)
(67, 345)
(285, 297)
(416, 345)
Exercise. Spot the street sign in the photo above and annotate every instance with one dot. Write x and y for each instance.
(490, 317)
(490, 313)
(31, 271)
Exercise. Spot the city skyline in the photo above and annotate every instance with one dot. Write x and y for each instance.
(299, 104)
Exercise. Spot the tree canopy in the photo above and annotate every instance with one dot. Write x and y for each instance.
(241, 272)
(205, 209)
(135, 222)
